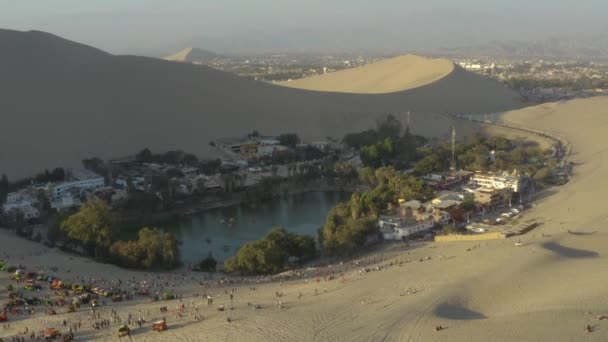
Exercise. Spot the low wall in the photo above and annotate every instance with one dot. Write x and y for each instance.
(472, 237)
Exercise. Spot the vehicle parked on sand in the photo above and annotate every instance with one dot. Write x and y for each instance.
(124, 331)
(159, 326)
(51, 334)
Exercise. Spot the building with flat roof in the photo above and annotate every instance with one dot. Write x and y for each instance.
(397, 227)
(446, 199)
(22, 201)
(80, 180)
(492, 198)
(249, 146)
(497, 181)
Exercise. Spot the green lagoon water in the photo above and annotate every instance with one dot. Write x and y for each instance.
(222, 231)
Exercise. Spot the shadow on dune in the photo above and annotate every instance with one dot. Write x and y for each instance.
(456, 312)
(568, 252)
(545, 193)
(571, 232)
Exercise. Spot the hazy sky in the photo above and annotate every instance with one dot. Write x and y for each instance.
(138, 25)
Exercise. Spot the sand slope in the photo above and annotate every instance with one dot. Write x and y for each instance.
(180, 56)
(191, 55)
(80, 102)
(387, 76)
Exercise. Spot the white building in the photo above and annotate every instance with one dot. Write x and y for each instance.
(82, 180)
(22, 201)
(494, 181)
(321, 145)
(267, 146)
(29, 212)
(65, 202)
(397, 227)
(447, 199)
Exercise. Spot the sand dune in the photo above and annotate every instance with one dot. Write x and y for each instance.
(61, 102)
(180, 56)
(191, 55)
(387, 76)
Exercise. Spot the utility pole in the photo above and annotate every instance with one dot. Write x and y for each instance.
(453, 162)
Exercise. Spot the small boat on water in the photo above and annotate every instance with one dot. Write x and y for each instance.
(191, 212)
(208, 240)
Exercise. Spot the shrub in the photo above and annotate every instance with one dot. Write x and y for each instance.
(271, 254)
(152, 249)
(208, 264)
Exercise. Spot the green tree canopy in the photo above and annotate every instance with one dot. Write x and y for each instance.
(271, 254)
(289, 139)
(92, 226)
(152, 249)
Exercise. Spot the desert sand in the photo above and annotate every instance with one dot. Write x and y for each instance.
(549, 289)
(62, 102)
(180, 56)
(386, 76)
(191, 55)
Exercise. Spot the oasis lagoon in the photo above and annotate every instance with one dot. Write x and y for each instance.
(220, 232)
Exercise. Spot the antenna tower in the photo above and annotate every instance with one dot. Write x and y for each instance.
(453, 163)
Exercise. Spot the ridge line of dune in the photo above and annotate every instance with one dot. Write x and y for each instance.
(386, 76)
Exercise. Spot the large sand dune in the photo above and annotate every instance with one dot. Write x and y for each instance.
(191, 55)
(180, 56)
(61, 102)
(387, 76)
(549, 289)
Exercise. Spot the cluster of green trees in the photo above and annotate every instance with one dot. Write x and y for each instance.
(289, 140)
(152, 249)
(349, 224)
(98, 166)
(169, 157)
(55, 175)
(297, 154)
(209, 264)
(4, 186)
(93, 230)
(580, 83)
(474, 154)
(386, 145)
(265, 189)
(92, 227)
(272, 254)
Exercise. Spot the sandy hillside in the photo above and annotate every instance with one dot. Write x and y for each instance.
(180, 56)
(192, 55)
(78, 102)
(547, 290)
(386, 76)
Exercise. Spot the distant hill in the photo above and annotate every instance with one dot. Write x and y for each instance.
(587, 48)
(62, 101)
(193, 55)
(387, 76)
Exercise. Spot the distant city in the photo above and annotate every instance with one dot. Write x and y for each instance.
(537, 80)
